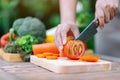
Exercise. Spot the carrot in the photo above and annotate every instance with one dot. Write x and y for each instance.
(90, 58)
(55, 55)
(40, 55)
(47, 54)
(73, 49)
(51, 57)
(45, 47)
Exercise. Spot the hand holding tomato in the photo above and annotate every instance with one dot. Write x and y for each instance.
(63, 31)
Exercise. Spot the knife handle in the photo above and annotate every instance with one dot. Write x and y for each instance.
(96, 22)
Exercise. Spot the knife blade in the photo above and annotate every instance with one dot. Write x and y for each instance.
(89, 31)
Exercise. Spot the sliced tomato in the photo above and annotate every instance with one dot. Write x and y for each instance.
(74, 49)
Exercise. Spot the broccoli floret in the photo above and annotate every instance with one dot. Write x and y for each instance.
(26, 43)
(32, 26)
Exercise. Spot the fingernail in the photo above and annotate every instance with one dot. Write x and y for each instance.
(64, 41)
(60, 48)
(101, 27)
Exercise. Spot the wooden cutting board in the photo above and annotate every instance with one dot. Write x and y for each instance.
(63, 65)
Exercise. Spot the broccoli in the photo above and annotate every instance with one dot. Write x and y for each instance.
(29, 25)
(26, 43)
(13, 48)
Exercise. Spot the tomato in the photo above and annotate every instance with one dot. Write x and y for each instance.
(4, 40)
(74, 49)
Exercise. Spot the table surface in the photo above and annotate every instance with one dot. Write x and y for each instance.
(29, 71)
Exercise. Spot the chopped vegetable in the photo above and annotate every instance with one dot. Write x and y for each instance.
(90, 58)
(51, 57)
(45, 47)
(55, 55)
(40, 55)
(74, 49)
(32, 26)
(47, 54)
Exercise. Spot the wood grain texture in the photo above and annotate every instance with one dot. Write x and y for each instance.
(10, 57)
(63, 65)
(29, 71)
(1, 52)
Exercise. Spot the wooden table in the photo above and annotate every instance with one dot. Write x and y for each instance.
(28, 71)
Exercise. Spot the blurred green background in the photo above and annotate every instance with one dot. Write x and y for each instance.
(46, 10)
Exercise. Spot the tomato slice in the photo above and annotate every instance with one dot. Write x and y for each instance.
(74, 49)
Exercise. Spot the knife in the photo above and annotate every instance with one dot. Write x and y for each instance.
(89, 31)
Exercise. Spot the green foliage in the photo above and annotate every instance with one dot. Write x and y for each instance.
(46, 10)
(32, 26)
(26, 42)
(8, 4)
(87, 14)
(40, 7)
(54, 20)
(86, 4)
(83, 19)
(8, 12)
(11, 35)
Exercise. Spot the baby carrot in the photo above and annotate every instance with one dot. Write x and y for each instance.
(47, 54)
(51, 57)
(55, 55)
(90, 58)
(40, 55)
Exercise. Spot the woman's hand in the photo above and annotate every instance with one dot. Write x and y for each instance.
(106, 10)
(64, 30)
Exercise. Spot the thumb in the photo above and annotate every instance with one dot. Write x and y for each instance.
(76, 32)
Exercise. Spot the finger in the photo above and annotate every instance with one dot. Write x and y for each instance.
(59, 43)
(112, 12)
(116, 8)
(106, 10)
(64, 33)
(75, 31)
(115, 5)
(64, 37)
(58, 40)
(100, 15)
(55, 40)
